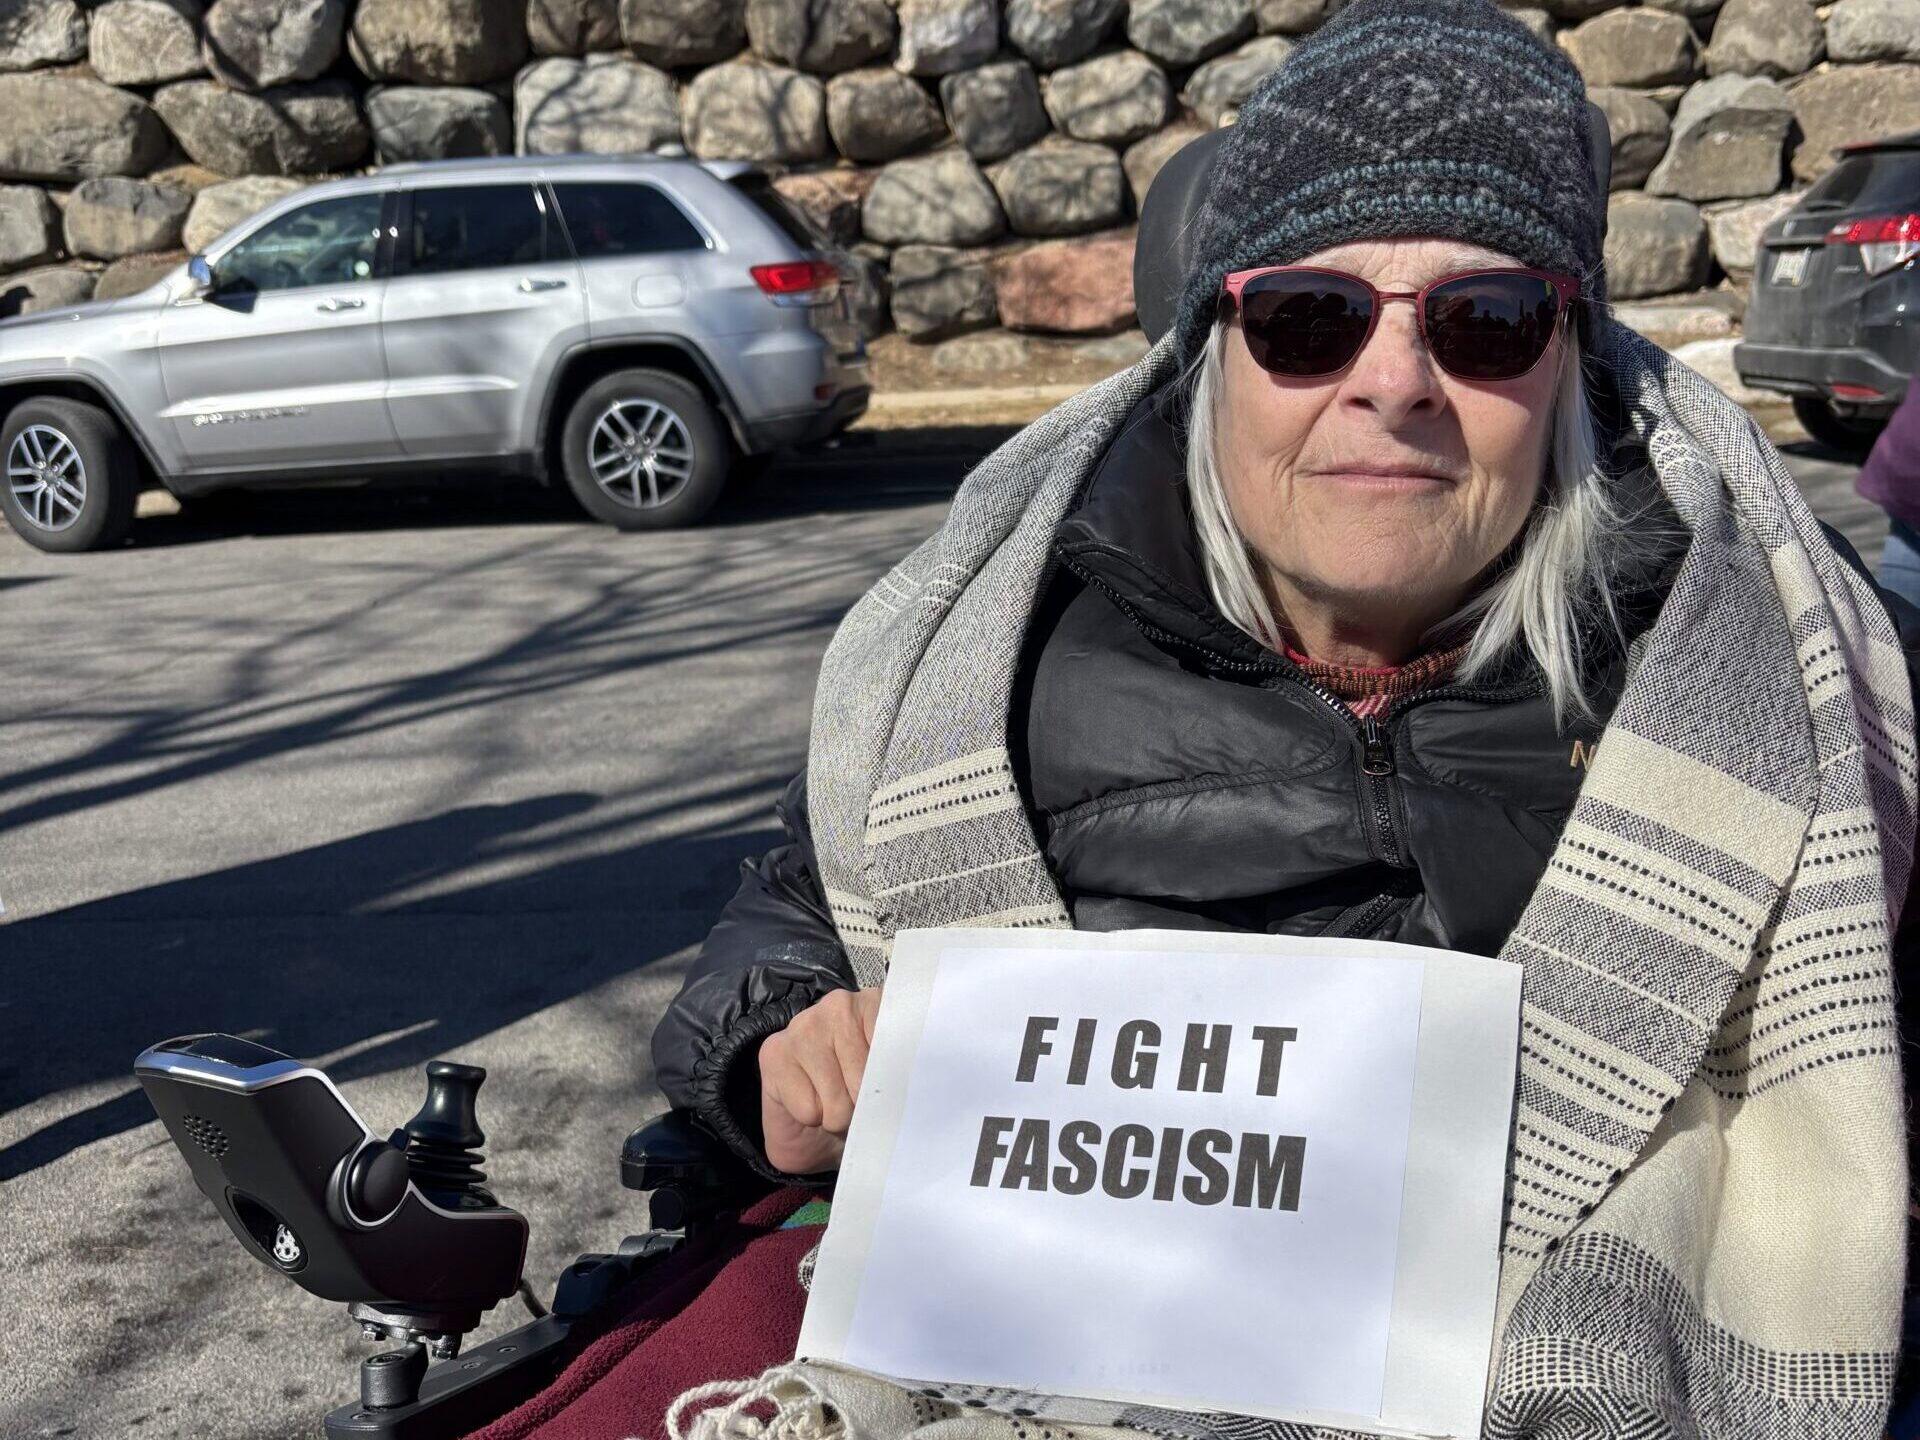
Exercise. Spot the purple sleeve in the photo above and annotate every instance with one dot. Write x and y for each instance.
(1891, 476)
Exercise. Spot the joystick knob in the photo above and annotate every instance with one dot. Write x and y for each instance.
(444, 1139)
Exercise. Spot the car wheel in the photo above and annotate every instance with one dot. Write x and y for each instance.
(643, 450)
(1850, 434)
(71, 481)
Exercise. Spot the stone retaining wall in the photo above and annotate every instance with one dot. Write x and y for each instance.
(984, 159)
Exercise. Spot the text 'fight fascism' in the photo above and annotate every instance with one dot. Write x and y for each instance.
(1202, 1166)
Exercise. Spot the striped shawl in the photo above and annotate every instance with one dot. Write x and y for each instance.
(1705, 1229)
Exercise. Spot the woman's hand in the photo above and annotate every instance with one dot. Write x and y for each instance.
(809, 1078)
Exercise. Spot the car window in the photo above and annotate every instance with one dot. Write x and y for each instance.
(790, 219)
(330, 242)
(477, 227)
(1889, 178)
(624, 219)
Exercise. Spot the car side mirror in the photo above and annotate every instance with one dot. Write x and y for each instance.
(200, 275)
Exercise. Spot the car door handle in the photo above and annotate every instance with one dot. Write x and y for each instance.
(336, 304)
(530, 285)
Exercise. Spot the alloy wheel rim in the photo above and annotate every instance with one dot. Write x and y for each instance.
(47, 477)
(640, 453)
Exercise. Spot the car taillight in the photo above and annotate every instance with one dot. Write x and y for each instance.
(1884, 240)
(798, 282)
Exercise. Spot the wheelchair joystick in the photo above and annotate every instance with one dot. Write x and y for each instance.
(444, 1139)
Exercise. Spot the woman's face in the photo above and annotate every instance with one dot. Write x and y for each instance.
(1381, 494)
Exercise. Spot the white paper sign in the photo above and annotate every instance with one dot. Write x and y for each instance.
(1202, 1171)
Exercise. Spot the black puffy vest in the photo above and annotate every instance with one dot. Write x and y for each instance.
(1181, 775)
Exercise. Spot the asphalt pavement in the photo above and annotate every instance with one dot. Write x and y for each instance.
(377, 777)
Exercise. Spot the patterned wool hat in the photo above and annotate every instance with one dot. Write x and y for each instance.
(1398, 118)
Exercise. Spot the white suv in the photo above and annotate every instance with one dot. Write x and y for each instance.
(638, 326)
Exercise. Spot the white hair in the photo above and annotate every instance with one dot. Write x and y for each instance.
(1555, 583)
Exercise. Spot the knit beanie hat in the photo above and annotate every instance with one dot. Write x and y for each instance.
(1444, 118)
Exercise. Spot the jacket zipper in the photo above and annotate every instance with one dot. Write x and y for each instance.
(1361, 920)
(1377, 766)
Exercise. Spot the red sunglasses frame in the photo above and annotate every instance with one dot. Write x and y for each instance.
(1565, 287)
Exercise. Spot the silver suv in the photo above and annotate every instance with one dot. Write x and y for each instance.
(641, 327)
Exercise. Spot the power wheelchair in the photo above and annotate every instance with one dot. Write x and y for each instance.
(403, 1228)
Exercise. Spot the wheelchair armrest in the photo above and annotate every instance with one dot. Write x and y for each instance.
(692, 1173)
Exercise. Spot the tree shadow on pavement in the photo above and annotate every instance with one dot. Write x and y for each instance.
(372, 942)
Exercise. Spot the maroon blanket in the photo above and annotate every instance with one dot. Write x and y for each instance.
(725, 1307)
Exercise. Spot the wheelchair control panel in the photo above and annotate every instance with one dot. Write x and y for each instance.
(403, 1228)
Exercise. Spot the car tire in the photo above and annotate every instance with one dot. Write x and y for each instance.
(644, 450)
(52, 448)
(1849, 434)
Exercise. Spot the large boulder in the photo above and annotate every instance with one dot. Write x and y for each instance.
(1635, 48)
(1734, 230)
(1185, 32)
(1540, 22)
(289, 130)
(867, 290)
(131, 274)
(29, 227)
(603, 104)
(1052, 33)
(684, 32)
(1729, 140)
(1573, 11)
(257, 44)
(938, 37)
(878, 114)
(112, 216)
(52, 287)
(1851, 102)
(994, 109)
(1638, 129)
(1766, 37)
(939, 291)
(1692, 9)
(744, 110)
(436, 122)
(218, 208)
(41, 32)
(69, 128)
(821, 36)
(1115, 98)
(145, 42)
(1217, 89)
(831, 199)
(1654, 246)
(1068, 287)
(994, 353)
(1061, 187)
(1293, 17)
(1670, 320)
(937, 199)
(439, 42)
(1144, 158)
(1860, 30)
(572, 27)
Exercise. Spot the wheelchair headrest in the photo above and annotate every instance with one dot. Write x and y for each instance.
(1163, 248)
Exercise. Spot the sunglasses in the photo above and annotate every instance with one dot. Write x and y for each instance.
(1305, 322)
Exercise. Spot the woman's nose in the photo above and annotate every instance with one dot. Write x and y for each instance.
(1393, 375)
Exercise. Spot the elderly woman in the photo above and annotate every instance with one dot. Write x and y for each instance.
(1399, 594)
